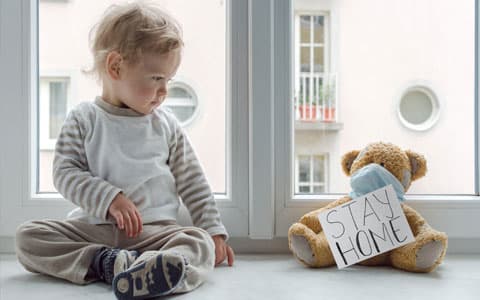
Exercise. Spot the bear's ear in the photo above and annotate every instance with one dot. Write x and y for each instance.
(347, 161)
(418, 164)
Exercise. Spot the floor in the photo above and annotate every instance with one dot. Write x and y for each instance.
(275, 277)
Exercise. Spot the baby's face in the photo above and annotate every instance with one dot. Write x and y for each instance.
(143, 87)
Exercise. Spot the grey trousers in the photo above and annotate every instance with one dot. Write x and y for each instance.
(65, 249)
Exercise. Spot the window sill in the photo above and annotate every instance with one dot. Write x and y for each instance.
(326, 126)
(457, 215)
(441, 201)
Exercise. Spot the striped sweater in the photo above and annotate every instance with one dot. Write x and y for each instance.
(103, 150)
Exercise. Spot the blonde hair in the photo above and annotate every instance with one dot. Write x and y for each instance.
(132, 29)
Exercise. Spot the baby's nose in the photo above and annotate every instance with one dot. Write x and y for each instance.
(162, 91)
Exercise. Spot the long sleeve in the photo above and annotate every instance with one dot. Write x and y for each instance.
(192, 185)
(71, 175)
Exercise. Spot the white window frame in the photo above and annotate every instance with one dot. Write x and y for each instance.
(260, 151)
(18, 117)
(455, 214)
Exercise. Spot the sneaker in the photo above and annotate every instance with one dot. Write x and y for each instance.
(123, 261)
(153, 274)
(116, 261)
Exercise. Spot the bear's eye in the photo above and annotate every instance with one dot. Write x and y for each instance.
(382, 164)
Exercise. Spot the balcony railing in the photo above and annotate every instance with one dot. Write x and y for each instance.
(316, 98)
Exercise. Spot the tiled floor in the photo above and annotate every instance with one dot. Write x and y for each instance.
(275, 277)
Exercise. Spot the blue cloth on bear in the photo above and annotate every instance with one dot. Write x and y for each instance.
(373, 177)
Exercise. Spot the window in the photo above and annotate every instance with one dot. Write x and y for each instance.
(315, 91)
(312, 42)
(418, 108)
(182, 101)
(374, 98)
(55, 93)
(375, 50)
(53, 99)
(311, 171)
(48, 42)
(66, 47)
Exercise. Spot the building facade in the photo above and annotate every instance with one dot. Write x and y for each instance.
(364, 71)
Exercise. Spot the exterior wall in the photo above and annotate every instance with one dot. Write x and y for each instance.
(382, 47)
(64, 29)
(377, 49)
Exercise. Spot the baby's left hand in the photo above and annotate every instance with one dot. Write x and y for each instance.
(222, 251)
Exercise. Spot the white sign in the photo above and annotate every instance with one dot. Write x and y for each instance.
(365, 227)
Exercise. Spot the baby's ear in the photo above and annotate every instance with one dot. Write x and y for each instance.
(347, 161)
(113, 63)
(418, 164)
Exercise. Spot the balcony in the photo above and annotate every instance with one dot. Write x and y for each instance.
(316, 102)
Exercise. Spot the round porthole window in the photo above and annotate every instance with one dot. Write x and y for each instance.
(418, 108)
(182, 101)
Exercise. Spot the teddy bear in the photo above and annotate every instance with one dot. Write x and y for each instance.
(376, 166)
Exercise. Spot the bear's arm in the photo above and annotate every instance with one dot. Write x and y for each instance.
(414, 219)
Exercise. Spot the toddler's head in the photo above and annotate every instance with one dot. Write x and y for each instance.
(136, 49)
(131, 30)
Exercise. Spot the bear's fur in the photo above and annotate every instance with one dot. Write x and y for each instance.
(307, 240)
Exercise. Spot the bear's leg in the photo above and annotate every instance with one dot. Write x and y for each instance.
(308, 247)
(423, 255)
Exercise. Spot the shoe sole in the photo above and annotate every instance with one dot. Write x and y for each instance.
(124, 260)
(155, 277)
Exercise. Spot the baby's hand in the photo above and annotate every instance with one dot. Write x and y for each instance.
(126, 214)
(222, 251)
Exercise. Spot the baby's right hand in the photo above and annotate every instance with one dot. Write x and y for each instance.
(126, 214)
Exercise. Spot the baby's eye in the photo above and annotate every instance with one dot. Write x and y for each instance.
(157, 78)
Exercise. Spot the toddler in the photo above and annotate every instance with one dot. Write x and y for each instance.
(124, 161)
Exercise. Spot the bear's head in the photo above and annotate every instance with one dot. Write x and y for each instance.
(373, 167)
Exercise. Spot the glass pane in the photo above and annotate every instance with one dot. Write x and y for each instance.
(304, 91)
(305, 59)
(183, 113)
(58, 107)
(304, 189)
(305, 29)
(317, 90)
(416, 107)
(177, 92)
(304, 169)
(64, 51)
(318, 189)
(318, 60)
(318, 29)
(318, 169)
(182, 102)
(378, 63)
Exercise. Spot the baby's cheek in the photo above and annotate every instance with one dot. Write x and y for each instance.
(144, 90)
(146, 93)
